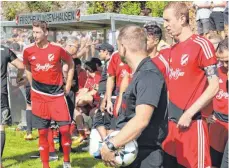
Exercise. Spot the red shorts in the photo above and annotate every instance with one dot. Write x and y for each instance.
(189, 146)
(218, 135)
(50, 107)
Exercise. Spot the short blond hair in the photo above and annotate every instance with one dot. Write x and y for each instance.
(134, 36)
(180, 9)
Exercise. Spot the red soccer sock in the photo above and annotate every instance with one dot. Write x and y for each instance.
(50, 141)
(66, 142)
(44, 147)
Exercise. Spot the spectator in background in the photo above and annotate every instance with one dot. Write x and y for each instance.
(226, 19)
(217, 17)
(82, 74)
(72, 46)
(98, 63)
(202, 16)
(87, 98)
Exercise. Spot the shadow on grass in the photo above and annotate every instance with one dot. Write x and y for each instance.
(82, 162)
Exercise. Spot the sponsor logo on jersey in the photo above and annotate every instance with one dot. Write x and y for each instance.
(50, 57)
(184, 59)
(222, 95)
(123, 73)
(44, 67)
(220, 81)
(175, 73)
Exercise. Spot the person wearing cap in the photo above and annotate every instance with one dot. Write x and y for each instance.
(87, 98)
(104, 121)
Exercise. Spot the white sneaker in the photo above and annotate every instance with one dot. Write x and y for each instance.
(67, 165)
(85, 149)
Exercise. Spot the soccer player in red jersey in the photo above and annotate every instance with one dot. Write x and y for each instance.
(42, 60)
(87, 97)
(192, 64)
(219, 120)
(116, 71)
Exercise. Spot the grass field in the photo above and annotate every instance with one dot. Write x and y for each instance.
(17, 154)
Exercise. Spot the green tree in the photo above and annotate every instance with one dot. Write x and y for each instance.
(43, 6)
(130, 8)
(100, 7)
(11, 9)
(157, 7)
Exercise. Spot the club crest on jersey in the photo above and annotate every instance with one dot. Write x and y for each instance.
(50, 57)
(33, 58)
(184, 59)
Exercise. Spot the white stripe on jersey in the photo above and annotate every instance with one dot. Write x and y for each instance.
(207, 45)
(165, 63)
(46, 94)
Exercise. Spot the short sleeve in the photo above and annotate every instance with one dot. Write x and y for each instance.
(64, 55)
(207, 55)
(111, 70)
(25, 57)
(12, 55)
(149, 89)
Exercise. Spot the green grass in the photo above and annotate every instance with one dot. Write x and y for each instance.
(17, 154)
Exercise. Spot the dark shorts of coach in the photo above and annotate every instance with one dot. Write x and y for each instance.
(5, 111)
(203, 26)
(40, 123)
(104, 119)
(217, 21)
(150, 157)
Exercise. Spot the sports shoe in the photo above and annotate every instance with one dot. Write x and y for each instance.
(85, 149)
(28, 137)
(53, 156)
(67, 165)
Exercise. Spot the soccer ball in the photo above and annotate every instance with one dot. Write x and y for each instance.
(95, 144)
(127, 154)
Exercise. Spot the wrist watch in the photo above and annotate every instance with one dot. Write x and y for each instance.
(110, 146)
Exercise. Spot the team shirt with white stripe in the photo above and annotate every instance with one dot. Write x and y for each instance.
(186, 62)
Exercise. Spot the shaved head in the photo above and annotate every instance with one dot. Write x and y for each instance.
(134, 38)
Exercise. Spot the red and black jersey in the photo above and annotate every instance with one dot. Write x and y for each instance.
(118, 69)
(46, 68)
(187, 80)
(220, 101)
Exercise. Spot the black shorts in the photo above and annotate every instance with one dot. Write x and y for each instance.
(40, 123)
(225, 159)
(71, 102)
(105, 119)
(5, 111)
(148, 158)
(216, 157)
(217, 21)
(27, 92)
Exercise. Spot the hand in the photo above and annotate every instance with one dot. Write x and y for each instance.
(211, 119)
(21, 81)
(109, 107)
(184, 121)
(108, 156)
(67, 89)
(103, 105)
